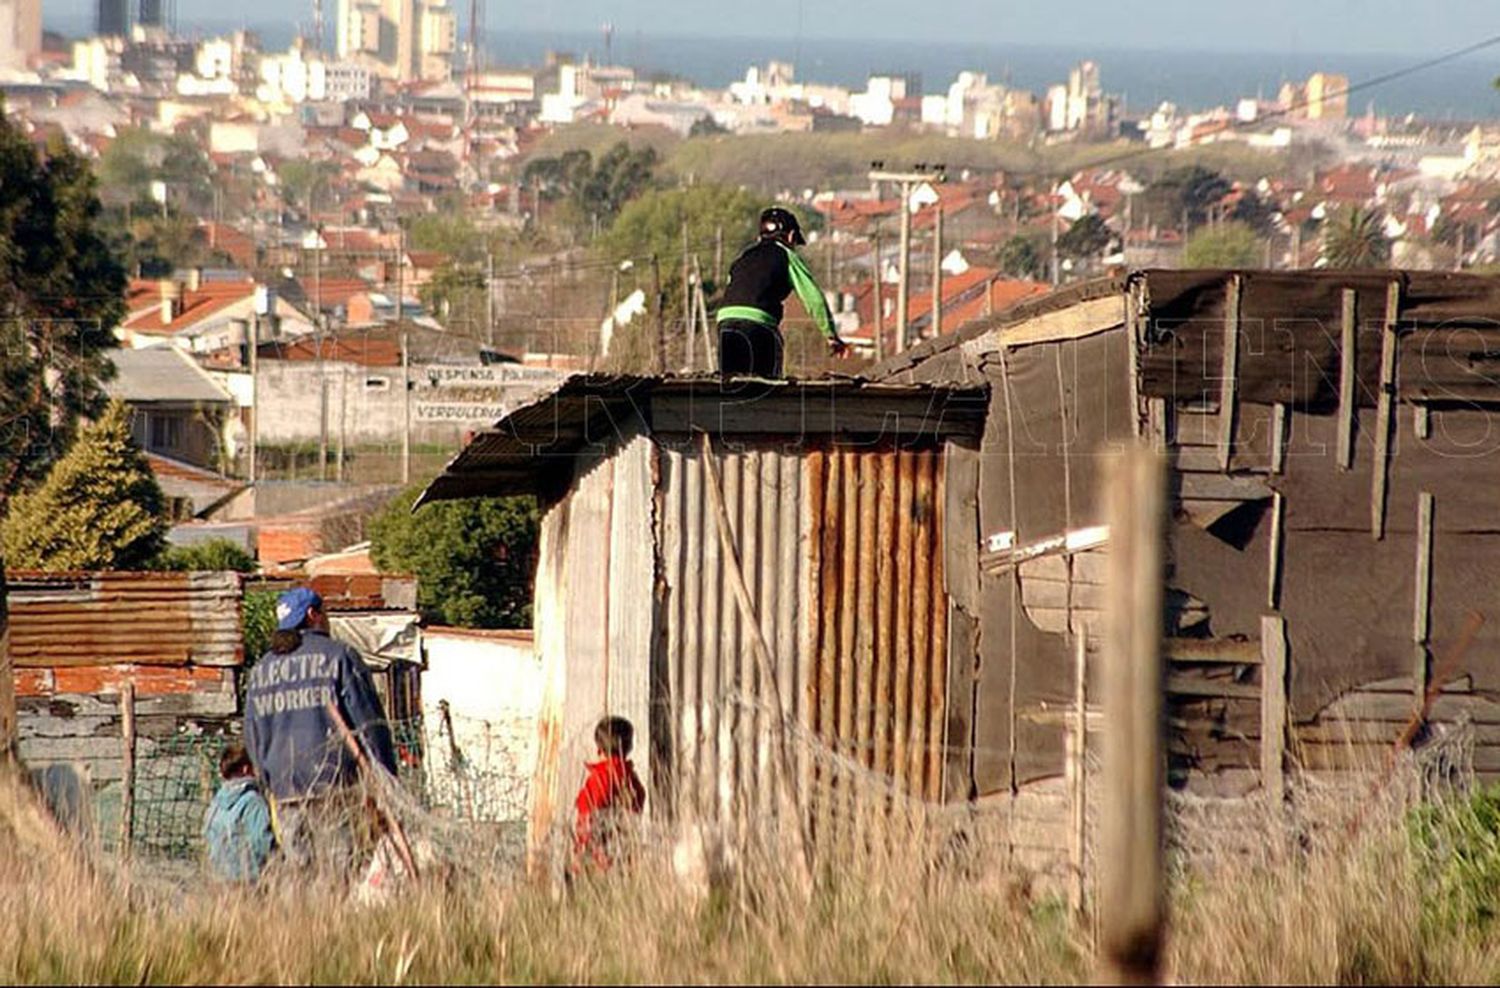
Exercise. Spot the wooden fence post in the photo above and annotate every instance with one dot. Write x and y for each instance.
(1077, 741)
(1132, 900)
(127, 776)
(1273, 718)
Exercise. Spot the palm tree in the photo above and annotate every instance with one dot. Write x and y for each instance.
(1354, 239)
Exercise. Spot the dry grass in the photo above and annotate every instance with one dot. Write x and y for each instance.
(1339, 910)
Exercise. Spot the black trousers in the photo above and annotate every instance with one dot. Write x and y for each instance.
(748, 348)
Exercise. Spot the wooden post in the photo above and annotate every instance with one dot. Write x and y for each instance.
(1273, 563)
(937, 272)
(660, 299)
(1077, 770)
(1421, 622)
(7, 684)
(1348, 409)
(1229, 372)
(1132, 904)
(1273, 713)
(1381, 468)
(127, 775)
(1280, 419)
(903, 288)
(879, 302)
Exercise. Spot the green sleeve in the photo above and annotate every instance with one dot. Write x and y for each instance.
(806, 287)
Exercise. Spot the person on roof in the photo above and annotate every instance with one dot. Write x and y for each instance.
(760, 279)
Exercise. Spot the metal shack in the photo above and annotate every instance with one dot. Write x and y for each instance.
(1335, 481)
(850, 507)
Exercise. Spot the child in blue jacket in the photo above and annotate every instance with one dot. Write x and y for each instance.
(237, 826)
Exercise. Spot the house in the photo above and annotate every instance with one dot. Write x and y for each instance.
(1332, 485)
(202, 315)
(178, 411)
(843, 511)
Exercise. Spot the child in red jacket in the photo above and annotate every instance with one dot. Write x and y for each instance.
(610, 791)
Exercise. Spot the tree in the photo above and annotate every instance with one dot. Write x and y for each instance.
(474, 559)
(1020, 257)
(61, 294)
(1231, 245)
(1085, 239)
(1353, 238)
(652, 224)
(99, 508)
(1256, 213)
(209, 555)
(596, 191)
(706, 126)
(1189, 191)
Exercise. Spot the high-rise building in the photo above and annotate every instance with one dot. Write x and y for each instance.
(153, 13)
(400, 40)
(20, 32)
(112, 18)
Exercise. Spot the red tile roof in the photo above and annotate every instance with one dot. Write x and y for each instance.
(195, 306)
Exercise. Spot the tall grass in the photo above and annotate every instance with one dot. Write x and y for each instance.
(1362, 908)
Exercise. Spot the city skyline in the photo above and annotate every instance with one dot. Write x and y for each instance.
(1334, 26)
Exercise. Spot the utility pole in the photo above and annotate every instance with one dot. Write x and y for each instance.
(719, 255)
(489, 297)
(659, 299)
(906, 180)
(322, 370)
(937, 273)
(254, 396)
(405, 357)
(879, 302)
(687, 289)
(1056, 267)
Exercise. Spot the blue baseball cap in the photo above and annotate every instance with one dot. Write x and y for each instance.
(292, 606)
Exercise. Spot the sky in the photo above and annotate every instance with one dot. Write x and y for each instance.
(1287, 26)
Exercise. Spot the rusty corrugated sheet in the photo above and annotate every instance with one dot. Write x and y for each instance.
(95, 619)
(841, 551)
(878, 687)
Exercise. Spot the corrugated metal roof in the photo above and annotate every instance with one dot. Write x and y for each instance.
(161, 373)
(98, 619)
(529, 450)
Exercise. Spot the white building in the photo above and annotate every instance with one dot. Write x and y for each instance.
(299, 76)
(20, 33)
(401, 40)
(876, 106)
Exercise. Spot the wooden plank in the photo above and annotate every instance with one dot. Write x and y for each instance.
(1421, 622)
(1229, 372)
(1132, 908)
(127, 756)
(1204, 459)
(1077, 768)
(1218, 487)
(1422, 421)
(1348, 396)
(1135, 322)
(1280, 419)
(1273, 716)
(1274, 553)
(1229, 651)
(1180, 685)
(1380, 472)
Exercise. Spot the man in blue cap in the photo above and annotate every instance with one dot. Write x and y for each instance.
(297, 748)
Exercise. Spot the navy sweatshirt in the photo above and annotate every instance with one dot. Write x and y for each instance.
(294, 743)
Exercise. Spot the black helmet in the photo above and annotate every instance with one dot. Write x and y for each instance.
(775, 222)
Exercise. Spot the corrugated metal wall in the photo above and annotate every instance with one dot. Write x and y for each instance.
(721, 713)
(880, 677)
(842, 553)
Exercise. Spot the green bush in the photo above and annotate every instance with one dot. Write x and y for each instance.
(210, 554)
(1458, 847)
(474, 559)
(257, 621)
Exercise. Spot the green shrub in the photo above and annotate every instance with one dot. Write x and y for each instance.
(210, 554)
(1458, 847)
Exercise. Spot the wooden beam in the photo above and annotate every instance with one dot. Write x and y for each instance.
(1422, 421)
(1421, 623)
(1273, 562)
(1134, 322)
(1347, 369)
(1132, 908)
(1225, 651)
(1380, 470)
(1219, 689)
(1229, 372)
(127, 755)
(1273, 712)
(1280, 419)
(1077, 737)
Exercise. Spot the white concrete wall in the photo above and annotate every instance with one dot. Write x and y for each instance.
(492, 684)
